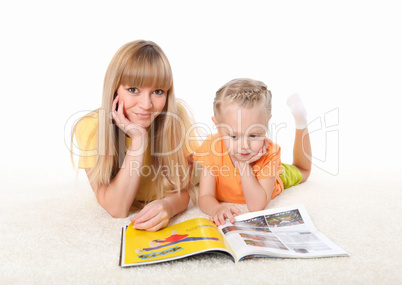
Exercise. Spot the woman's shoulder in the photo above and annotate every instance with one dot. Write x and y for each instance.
(86, 128)
(184, 111)
(181, 105)
(90, 119)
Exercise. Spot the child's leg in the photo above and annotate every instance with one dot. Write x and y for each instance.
(302, 153)
(302, 146)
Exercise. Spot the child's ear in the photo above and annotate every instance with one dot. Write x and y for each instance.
(214, 120)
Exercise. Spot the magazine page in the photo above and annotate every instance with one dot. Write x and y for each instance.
(177, 241)
(285, 232)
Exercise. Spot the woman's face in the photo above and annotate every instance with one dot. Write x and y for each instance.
(142, 104)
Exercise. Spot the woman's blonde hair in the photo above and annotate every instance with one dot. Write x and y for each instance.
(143, 64)
(245, 92)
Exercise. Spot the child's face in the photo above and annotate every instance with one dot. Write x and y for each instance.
(142, 105)
(243, 130)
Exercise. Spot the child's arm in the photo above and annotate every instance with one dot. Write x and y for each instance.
(257, 192)
(208, 202)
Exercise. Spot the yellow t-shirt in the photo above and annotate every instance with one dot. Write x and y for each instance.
(213, 155)
(86, 134)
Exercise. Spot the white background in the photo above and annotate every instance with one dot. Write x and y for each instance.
(342, 56)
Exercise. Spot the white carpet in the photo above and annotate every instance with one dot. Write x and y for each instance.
(344, 57)
(55, 233)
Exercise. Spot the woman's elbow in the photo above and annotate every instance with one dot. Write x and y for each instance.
(116, 211)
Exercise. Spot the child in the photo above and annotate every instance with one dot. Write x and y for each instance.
(133, 148)
(239, 163)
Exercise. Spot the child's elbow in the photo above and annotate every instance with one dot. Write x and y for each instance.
(256, 208)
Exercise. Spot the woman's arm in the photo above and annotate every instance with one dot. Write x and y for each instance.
(157, 214)
(117, 197)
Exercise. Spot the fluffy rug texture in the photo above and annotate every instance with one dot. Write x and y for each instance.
(52, 231)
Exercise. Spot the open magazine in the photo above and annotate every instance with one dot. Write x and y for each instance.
(284, 232)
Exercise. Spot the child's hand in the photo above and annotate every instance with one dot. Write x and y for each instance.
(133, 130)
(152, 217)
(225, 212)
(262, 151)
(259, 154)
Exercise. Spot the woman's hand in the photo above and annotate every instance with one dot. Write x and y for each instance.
(153, 216)
(224, 212)
(131, 129)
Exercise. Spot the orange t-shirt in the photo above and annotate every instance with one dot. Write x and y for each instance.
(213, 155)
